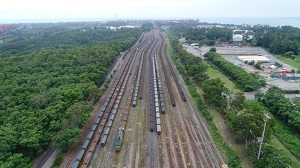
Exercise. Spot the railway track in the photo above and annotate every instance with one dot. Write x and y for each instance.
(174, 75)
(107, 113)
(210, 157)
(133, 94)
(147, 98)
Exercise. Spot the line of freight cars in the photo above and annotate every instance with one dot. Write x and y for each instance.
(137, 83)
(133, 89)
(154, 107)
(143, 69)
(159, 88)
(110, 112)
(167, 77)
(151, 95)
(121, 133)
(157, 94)
(174, 74)
(106, 111)
(117, 102)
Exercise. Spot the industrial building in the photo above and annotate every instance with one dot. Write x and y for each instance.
(262, 59)
(237, 38)
(291, 76)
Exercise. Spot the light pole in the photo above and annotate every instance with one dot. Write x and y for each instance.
(262, 138)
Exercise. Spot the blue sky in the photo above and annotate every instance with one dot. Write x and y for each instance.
(142, 9)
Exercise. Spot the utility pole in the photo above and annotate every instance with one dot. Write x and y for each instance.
(263, 134)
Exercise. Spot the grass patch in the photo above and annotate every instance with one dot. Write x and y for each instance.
(287, 138)
(58, 160)
(274, 141)
(288, 61)
(239, 149)
(213, 74)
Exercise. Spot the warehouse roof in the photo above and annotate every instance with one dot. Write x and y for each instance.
(254, 58)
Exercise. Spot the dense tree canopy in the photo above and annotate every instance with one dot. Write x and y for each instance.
(281, 107)
(43, 92)
(271, 157)
(248, 123)
(214, 92)
(279, 40)
(62, 37)
(207, 36)
(193, 65)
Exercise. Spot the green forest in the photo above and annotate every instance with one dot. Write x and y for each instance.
(46, 77)
(208, 36)
(279, 40)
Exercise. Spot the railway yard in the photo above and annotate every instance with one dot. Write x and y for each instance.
(145, 118)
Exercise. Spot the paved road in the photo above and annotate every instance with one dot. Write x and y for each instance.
(250, 95)
(47, 159)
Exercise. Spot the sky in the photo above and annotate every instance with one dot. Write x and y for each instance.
(146, 9)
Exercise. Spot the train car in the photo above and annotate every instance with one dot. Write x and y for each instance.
(158, 129)
(100, 114)
(75, 164)
(134, 103)
(102, 109)
(158, 121)
(97, 121)
(79, 155)
(103, 140)
(94, 127)
(157, 115)
(85, 144)
(106, 131)
(87, 159)
(163, 110)
(109, 124)
(119, 140)
(151, 126)
(90, 135)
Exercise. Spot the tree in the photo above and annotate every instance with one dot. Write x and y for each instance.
(238, 101)
(293, 71)
(288, 54)
(65, 138)
(259, 96)
(94, 93)
(263, 83)
(247, 127)
(45, 81)
(16, 161)
(248, 124)
(254, 42)
(257, 65)
(281, 107)
(272, 158)
(213, 49)
(214, 92)
(278, 64)
(243, 80)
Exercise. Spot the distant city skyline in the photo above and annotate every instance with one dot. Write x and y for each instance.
(141, 9)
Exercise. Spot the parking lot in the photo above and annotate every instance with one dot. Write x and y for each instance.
(231, 54)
